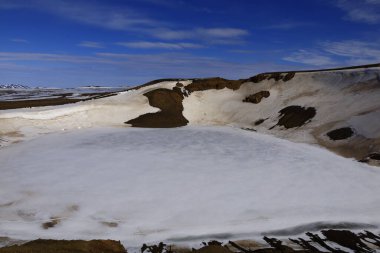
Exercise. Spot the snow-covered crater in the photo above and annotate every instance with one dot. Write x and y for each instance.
(148, 185)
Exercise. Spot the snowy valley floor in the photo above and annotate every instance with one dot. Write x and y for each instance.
(179, 185)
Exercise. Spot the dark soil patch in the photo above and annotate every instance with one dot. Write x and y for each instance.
(215, 83)
(249, 129)
(62, 246)
(52, 223)
(346, 239)
(295, 116)
(277, 76)
(258, 78)
(288, 76)
(341, 133)
(260, 121)
(170, 103)
(257, 97)
(374, 156)
(110, 224)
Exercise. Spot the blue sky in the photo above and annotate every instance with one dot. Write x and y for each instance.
(64, 43)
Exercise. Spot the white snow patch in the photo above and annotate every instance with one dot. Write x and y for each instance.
(158, 184)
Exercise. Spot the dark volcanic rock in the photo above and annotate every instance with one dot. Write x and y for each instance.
(346, 239)
(170, 103)
(52, 223)
(258, 78)
(216, 83)
(340, 134)
(295, 116)
(257, 97)
(259, 121)
(374, 156)
(288, 76)
(277, 76)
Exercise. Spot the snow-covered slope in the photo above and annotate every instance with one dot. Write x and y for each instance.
(337, 109)
(178, 185)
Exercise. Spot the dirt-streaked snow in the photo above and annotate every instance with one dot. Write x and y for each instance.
(142, 185)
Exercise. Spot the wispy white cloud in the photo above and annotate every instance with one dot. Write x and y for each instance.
(243, 51)
(159, 45)
(365, 11)
(356, 52)
(373, 1)
(310, 58)
(348, 52)
(19, 40)
(88, 13)
(24, 56)
(288, 25)
(128, 19)
(216, 35)
(91, 44)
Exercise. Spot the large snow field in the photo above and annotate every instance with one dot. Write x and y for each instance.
(145, 185)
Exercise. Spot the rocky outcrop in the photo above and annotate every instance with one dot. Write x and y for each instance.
(170, 115)
(257, 97)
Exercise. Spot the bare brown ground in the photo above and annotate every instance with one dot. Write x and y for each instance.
(215, 83)
(295, 116)
(257, 97)
(170, 103)
(52, 223)
(62, 246)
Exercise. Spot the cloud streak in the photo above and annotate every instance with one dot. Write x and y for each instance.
(19, 40)
(159, 45)
(356, 52)
(91, 44)
(216, 35)
(127, 19)
(347, 52)
(364, 11)
(310, 58)
(86, 13)
(288, 25)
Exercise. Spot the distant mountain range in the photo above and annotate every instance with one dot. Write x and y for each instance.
(13, 86)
